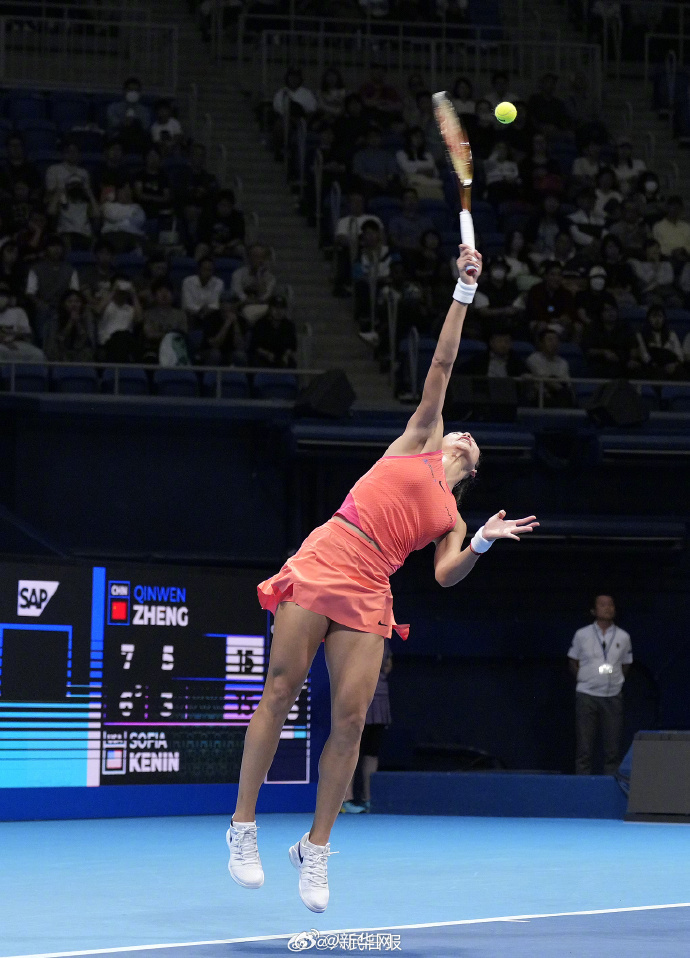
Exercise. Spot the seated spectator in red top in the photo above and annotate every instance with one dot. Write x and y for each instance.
(221, 229)
(550, 304)
(273, 340)
(548, 111)
(381, 100)
(607, 345)
(17, 167)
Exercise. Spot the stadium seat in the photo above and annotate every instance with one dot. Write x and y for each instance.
(275, 386)
(575, 358)
(131, 264)
(468, 349)
(81, 258)
(182, 266)
(438, 213)
(45, 158)
(26, 106)
(89, 141)
(130, 381)
(27, 378)
(68, 110)
(484, 216)
(523, 348)
(385, 207)
(75, 379)
(233, 385)
(39, 135)
(176, 382)
(676, 398)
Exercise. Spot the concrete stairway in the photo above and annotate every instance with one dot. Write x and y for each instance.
(299, 262)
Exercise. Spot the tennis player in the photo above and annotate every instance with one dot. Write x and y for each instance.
(336, 587)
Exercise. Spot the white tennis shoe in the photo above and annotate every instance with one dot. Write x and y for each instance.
(245, 864)
(311, 861)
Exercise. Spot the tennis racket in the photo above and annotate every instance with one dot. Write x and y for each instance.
(460, 156)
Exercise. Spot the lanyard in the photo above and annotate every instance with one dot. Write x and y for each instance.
(602, 640)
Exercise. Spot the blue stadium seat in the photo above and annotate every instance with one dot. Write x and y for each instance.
(438, 213)
(69, 109)
(676, 398)
(131, 264)
(650, 398)
(484, 216)
(39, 135)
(99, 108)
(233, 385)
(89, 141)
(522, 348)
(75, 379)
(275, 386)
(182, 266)
(45, 158)
(81, 258)
(385, 207)
(27, 106)
(468, 349)
(131, 381)
(27, 378)
(176, 382)
(575, 358)
(427, 346)
(5, 130)
(632, 314)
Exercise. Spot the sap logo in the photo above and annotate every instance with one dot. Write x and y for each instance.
(34, 596)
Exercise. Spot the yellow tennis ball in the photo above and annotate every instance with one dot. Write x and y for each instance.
(505, 112)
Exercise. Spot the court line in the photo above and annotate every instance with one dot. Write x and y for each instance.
(343, 931)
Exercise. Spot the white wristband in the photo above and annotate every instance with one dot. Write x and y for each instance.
(479, 544)
(464, 292)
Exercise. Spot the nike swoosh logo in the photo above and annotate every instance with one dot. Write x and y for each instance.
(441, 485)
(384, 624)
(299, 852)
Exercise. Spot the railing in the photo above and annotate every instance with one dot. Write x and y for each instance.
(31, 11)
(439, 62)
(303, 374)
(250, 26)
(88, 54)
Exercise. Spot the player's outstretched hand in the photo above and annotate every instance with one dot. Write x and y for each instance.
(469, 257)
(498, 527)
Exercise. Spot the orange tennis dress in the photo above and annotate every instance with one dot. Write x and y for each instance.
(403, 503)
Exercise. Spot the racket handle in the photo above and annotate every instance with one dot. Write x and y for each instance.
(467, 235)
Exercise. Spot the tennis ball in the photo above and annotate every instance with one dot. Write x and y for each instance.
(505, 112)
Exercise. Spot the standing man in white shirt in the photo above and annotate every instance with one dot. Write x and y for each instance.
(599, 658)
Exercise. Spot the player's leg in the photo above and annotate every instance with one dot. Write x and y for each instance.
(354, 663)
(297, 634)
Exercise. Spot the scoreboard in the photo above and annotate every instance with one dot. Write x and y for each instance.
(127, 674)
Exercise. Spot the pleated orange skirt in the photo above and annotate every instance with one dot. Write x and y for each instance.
(338, 574)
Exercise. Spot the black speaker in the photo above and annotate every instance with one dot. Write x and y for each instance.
(481, 399)
(660, 778)
(329, 395)
(617, 403)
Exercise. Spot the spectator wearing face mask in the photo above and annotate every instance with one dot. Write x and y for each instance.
(129, 119)
(590, 302)
(15, 332)
(503, 298)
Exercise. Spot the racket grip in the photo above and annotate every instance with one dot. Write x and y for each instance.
(467, 235)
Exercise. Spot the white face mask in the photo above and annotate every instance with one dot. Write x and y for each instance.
(132, 96)
(597, 283)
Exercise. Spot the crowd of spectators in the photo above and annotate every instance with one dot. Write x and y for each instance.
(119, 242)
(584, 256)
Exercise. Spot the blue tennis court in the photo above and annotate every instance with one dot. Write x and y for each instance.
(470, 887)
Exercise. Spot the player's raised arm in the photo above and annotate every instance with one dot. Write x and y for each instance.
(426, 423)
